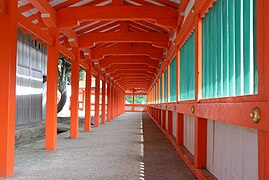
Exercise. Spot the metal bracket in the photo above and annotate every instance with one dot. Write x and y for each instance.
(255, 115)
(192, 109)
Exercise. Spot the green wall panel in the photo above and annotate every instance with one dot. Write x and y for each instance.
(229, 54)
(187, 67)
(173, 85)
(161, 90)
(165, 86)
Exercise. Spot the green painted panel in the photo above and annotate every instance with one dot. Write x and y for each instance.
(161, 90)
(229, 53)
(173, 85)
(165, 86)
(187, 68)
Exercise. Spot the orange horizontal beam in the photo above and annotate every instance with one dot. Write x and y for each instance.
(72, 37)
(35, 30)
(119, 71)
(162, 16)
(133, 75)
(100, 53)
(144, 67)
(157, 39)
(48, 14)
(108, 61)
(67, 53)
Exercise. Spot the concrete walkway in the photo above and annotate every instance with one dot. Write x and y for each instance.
(126, 148)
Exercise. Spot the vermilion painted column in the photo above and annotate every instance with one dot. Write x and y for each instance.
(97, 101)
(8, 45)
(169, 128)
(163, 119)
(116, 102)
(263, 154)
(108, 101)
(159, 116)
(87, 120)
(52, 86)
(133, 104)
(104, 100)
(200, 142)
(180, 131)
(74, 96)
(112, 100)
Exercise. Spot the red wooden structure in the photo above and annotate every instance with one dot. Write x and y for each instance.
(128, 45)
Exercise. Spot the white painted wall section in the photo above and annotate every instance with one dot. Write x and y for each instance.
(232, 151)
(174, 123)
(189, 133)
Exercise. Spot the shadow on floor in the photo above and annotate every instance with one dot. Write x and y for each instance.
(160, 159)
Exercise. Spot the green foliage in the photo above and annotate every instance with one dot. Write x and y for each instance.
(128, 99)
(140, 99)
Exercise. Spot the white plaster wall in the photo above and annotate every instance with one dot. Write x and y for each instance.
(189, 133)
(232, 151)
(174, 123)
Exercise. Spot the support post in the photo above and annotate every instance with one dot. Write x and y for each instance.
(97, 99)
(180, 128)
(169, 128)
(263, 154)
(112, 100)
(52, 86)
(87, 121)
(163, 119)
(74, 97)
(8, 46)
(133, 102)
(109, 101)
(200, 143)
(104, 100)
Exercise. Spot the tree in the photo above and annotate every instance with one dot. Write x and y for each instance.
(64, 71)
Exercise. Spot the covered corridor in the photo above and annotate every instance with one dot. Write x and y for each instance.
(198, 68)
(129, 147)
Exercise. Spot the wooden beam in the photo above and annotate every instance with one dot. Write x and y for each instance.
(108, 61)
(100, 53)
(35, 30)
(162, 16)
(48, 14)
(157, 39)
(67, 53)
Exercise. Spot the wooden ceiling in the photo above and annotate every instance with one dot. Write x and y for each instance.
(126, 40)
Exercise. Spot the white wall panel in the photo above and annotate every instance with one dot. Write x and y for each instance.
(189, 133)
(232, 151)
(174, 123)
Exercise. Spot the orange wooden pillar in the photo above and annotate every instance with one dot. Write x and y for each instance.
(112, 101)
(163, 118)
(104, 100)
(159, 116)
(108, 101)
(8, 45)
(87, 120)
(200, 143)
(169, 128)
(74, 97)
(263, 154)
(133, 104)
(97, 101)
(180, 126)
(52, 86)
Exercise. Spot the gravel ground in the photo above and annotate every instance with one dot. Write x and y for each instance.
(129, 147)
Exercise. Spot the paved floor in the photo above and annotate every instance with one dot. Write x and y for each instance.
(129, 147)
